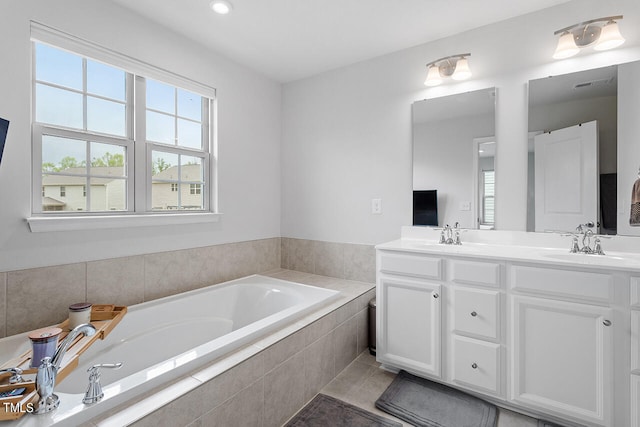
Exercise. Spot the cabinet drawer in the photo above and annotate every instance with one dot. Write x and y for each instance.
(476, 364)
(411, 265)
(635, 292)
(635, 342)
(480, 273)
(476, 312)
(570, 283)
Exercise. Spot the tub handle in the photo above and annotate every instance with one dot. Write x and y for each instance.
(94, 391)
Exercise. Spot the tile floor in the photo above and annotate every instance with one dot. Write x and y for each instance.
(362, 382)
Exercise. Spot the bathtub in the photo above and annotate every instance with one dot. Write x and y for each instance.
(162, 340)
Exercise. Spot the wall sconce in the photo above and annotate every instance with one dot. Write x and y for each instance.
(454, 66)
(588, 33)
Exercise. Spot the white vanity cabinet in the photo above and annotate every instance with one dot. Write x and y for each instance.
(561, 334)
(409, 299)
(476, 306)
(546, 338)
(635, 351)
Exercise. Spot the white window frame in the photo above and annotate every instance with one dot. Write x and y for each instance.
(139, 176)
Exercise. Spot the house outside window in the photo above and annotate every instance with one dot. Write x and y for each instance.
(98, 125)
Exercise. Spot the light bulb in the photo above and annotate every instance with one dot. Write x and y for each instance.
(433, 76)
(566, 46)
(610, 37)
(462, 71)
(222, 7)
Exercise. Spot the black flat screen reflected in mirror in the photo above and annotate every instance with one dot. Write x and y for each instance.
(425, 207)
(4, 128)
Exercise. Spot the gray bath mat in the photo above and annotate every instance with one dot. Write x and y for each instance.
(424, 403)
(325, 411)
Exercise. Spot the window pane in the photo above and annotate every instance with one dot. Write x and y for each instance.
(63, 193)
(165, 165)
(161, 97)
(162, 198)
(189, 105)
(160, 128)
(107, 159)
(105, 81)
(63, 155)
(191, 168)
(192, 196)
(106, 116)
(108, 194)
(59, 67)
(58, 107)
(189, 134)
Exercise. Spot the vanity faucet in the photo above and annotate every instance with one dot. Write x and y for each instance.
(450, 235)
(48, 370)
(585, 230)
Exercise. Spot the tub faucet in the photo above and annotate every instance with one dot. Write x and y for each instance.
(48, 370)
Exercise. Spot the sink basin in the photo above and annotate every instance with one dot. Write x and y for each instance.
(591, 258)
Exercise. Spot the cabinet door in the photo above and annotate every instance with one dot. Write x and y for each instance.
(562, 358)
(409, 324)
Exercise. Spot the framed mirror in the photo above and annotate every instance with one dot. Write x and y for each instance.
(454, 155)
(572, 152)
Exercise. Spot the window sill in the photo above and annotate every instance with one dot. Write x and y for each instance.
(40, 224)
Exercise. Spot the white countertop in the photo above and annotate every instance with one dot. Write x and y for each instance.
(550, 248)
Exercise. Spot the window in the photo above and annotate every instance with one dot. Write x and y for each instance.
(116, 141)
(488, 197)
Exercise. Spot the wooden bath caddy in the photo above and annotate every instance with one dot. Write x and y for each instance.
(103, 317)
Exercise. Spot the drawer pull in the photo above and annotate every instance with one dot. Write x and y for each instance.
(474, 365)
(474, 314)
(435, 295)
(607, 323)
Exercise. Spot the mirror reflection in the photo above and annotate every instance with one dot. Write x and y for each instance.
(572, 153)
(454, 159)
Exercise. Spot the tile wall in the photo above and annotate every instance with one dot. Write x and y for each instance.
(343, 260)
(38, 297)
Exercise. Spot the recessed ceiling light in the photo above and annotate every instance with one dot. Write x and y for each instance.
(221, 6)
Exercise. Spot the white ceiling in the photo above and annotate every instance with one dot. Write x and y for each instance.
(291, 39)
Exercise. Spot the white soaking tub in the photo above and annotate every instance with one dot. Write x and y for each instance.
(162, 340)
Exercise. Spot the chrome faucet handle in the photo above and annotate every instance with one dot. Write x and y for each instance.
(575, 247)
(442, 240)
(597, 247)
(457, 240)
(16, 375)
(94, 391)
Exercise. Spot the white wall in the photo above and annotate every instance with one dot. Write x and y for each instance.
(448, 168)
(249, 134)
(347, 133)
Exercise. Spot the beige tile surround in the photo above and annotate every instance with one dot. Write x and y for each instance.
(38, 297)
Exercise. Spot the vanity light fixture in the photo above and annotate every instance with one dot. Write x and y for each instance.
(454, 66)
(221, 7)
(602, 33)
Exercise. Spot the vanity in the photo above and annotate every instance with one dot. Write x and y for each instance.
(516, 319)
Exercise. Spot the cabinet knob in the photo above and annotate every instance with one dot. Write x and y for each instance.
(474, 314)
(474, 365)
(435, 295)
(606, 322)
